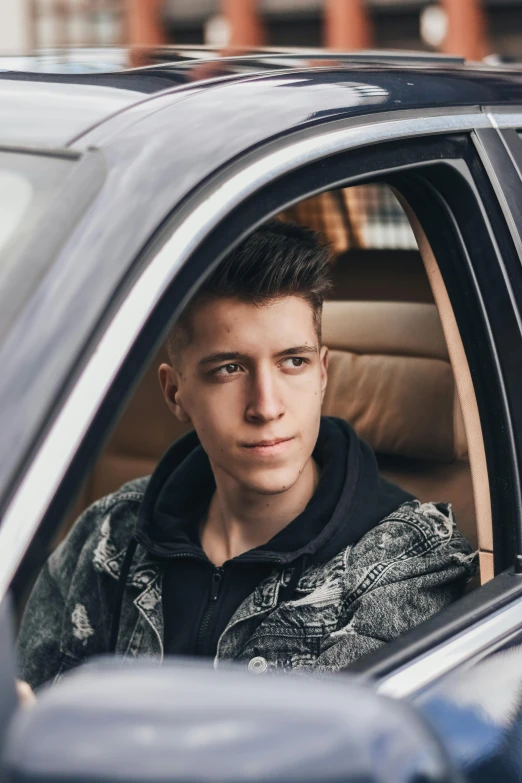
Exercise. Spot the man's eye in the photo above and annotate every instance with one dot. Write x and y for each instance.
(294, 361)
(227, 369)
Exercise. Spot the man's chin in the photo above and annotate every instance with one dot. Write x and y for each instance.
(272, 482)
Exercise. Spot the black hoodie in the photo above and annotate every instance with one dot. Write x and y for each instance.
(199, 598)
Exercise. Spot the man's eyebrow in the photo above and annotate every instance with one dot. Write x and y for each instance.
(298, 349)
(235, 356)
(222, 356)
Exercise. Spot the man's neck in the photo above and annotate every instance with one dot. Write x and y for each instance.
(239, 519)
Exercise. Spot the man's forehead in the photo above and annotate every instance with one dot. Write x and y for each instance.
(285, 318)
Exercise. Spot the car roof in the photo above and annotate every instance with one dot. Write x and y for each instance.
(51, 104)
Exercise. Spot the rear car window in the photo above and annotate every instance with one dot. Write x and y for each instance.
(16, 193)
(27, 184)
(34, 219)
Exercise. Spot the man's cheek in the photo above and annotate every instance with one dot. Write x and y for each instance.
(210, 432)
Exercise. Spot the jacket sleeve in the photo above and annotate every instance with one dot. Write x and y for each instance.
(40, 653)
(38, 643)
(400, 574)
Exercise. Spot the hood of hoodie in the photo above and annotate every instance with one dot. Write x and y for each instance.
(349, 500)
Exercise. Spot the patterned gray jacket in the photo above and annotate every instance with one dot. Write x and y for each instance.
(402, 571)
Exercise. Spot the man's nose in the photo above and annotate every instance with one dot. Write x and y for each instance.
(265, 402)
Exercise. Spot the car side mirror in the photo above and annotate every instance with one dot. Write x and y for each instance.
(110, 721)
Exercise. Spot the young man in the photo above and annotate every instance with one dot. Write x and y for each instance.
(265, 536)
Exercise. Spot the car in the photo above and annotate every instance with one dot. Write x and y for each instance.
(119, 191)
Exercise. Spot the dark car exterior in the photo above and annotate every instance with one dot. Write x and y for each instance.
(139, 181)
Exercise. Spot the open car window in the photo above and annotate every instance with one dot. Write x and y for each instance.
(388, 363)
(28, 183)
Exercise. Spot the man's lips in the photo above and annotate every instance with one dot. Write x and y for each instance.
(268, 447)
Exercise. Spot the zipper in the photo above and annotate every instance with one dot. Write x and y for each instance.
(203, 558)
(202, 641)
(204, 628)
(198, 555)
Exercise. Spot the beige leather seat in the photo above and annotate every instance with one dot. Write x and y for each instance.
(389, 377)
(144, 432)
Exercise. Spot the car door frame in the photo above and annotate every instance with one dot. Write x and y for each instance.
(126, 341)
(500, 150)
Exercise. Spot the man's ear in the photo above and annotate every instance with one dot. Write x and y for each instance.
(169, 382)
(323, 358)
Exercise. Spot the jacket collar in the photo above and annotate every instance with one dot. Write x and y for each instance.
(145, 568)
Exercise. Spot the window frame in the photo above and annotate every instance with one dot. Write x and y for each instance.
(194, 230)
(500, 150)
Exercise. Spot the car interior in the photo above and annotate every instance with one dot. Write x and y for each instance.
(398, 371)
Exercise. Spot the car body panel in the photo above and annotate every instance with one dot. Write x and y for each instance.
(477, 714)
(51, 110)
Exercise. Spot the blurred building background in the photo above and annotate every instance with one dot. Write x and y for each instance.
(473, 28)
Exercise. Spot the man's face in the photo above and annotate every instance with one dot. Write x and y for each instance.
(252, 381)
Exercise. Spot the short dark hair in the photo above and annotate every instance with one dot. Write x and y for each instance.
(277, 259)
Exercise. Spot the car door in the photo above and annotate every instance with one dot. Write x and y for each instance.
(433, 163)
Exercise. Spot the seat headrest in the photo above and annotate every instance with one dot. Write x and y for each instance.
(390, 377)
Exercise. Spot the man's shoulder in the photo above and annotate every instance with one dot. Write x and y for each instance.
(416, 540)
(414, 529)
(124, 504)
(106, 526)
(433, 514)
(131, 492)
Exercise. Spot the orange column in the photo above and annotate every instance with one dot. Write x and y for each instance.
(61, 29)
(144, 23)
(466, 34)
(246, 28)
(347, 25)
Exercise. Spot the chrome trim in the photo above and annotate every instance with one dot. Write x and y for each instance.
(43, 477)
(504, 120)
(425, 670)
